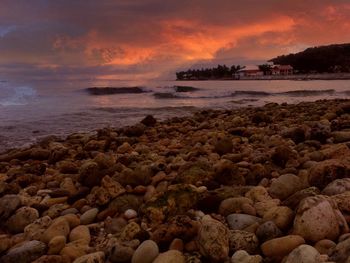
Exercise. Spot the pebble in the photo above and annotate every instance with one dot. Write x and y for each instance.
(267, 231)
(282, 246)
(284, 186)
(146, 252)
(81, 232)
(213, 239)
(318, 218)
(56, 244)
(303, 254)
(241, 256)
(26, 252)
(170, 256)
(59, 227)
(89, 216)
(97, 257)
(241, 221)
(242, 240)
(130, 214)
(23, 217)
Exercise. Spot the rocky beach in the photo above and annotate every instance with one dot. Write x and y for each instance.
(248, 185)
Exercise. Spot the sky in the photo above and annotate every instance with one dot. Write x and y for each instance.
(152, 39)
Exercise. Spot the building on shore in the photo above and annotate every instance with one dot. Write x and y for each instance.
(282, 70)
(248, 71)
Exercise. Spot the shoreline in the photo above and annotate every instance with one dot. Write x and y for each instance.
(296, 77)
(263, 183)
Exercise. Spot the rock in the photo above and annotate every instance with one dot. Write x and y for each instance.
(282, 155)
(23, 217)
(241, 221)
(242, 240)
(56, 244)
(318, 218)
(297, 134)
(228, 173)
(59, 227)
(130, 231)
(213, 239)
(104, 161)
(130, 214)
(68, 167)
(149, 121)
(171, 256)
(234, 205)
(242, 256)
(89, 174)
(223, 145)
(135, 130)
(282, 246)
(5, 243)
(338, 186)
(146, 252)
(25, 252)
(303, 254)
(324, 246)
(112, 187)
(80, 232)
(327, 171)
(97, 257)
(342, 201)
(8, 205)
(125, 202)
(192, 172)
(341, 136)
(115, 225)
(121, 253)
(282, 216)
(294, 200)
(267, 231)
(89, 216)
(36, 229)
(178, 199)
(74, 250)
(284, 186)
(177, 244)
(341, 252)
(180, 226)
(50, 259)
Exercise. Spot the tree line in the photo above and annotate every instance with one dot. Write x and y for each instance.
(219, 72)
(323, 59)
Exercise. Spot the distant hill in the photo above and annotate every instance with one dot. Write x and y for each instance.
(332, 58)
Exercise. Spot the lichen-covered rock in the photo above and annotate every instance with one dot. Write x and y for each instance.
(319, 218)
(36, 229)
(191, 173)
(177, 227)
(23, 217)
(26, 252)
(325, 172)
(213, 239)
(177, 200)
(242, 240)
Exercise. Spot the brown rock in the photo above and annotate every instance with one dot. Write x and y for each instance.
(282, 246)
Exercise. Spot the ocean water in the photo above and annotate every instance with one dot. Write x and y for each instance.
(31, 111)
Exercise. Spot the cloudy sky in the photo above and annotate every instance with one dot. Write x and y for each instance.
(137, 39)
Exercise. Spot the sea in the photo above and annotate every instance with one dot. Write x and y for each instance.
(31, 111)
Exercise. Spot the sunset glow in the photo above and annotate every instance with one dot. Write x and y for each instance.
(152, 39)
